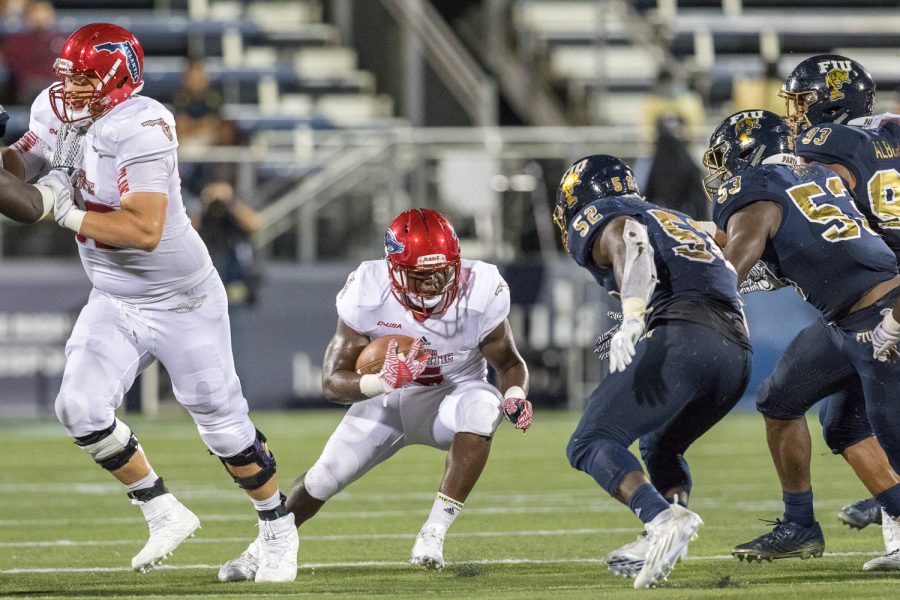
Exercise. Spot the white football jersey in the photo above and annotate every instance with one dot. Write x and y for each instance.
(367, 305)
(137, 130)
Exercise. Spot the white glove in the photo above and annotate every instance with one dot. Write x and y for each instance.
(885, 337)
(57, 184)
(621, 348)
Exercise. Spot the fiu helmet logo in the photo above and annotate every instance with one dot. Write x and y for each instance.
(744, 124)
(131, 58)
(835, 79)
(570, 181)
(391, 244)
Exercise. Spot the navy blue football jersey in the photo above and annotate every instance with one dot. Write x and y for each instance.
(689, 264)
(824, 243)
(873, 156)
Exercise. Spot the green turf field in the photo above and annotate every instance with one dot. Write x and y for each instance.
(533, 527)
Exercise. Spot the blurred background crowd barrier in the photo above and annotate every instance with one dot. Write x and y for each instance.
(306, 125)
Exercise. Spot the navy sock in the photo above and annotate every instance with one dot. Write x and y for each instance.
(646, 503)
(799, 508)
(889, 500)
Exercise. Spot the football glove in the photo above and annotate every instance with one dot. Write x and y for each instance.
(761, 279)
(397, 372)
(59, 187)
(517, 409)
(621, 348)
(885, 337)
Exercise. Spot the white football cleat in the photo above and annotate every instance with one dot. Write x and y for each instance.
(428, 551)
(668, 535)
(628, 560)
(242, 568)
(890, 560)
(271, 557)
(170, 523)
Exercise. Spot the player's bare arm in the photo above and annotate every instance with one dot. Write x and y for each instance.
(499, 348)
(748, 231)
(20, 201)
(137, 224)
(340, 381)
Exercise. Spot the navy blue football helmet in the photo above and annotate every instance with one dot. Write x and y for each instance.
(827, 88)
(744, 140)
(589, 179)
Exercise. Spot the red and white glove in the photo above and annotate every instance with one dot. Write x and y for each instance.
(517, 409)
(396, 371)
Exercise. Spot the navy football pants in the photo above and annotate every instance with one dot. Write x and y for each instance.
(812, 368)
(684, 378)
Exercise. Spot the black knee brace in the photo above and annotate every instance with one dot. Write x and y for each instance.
(255, 454)
(110, 448)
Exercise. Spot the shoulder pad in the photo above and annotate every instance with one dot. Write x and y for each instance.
(43, 121)
(591, 220)
(139, 129)
(830, 143)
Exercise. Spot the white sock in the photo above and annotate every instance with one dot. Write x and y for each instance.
(144, 482)
(443, 512)
(269, 503)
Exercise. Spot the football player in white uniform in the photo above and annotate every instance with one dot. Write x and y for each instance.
(113, 180)
(457, 310)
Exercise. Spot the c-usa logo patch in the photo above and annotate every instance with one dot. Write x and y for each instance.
(391, 244)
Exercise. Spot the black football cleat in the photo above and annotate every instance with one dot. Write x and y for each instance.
(861, 514)
(786, 540)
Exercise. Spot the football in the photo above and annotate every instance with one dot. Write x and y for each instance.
(371, 358)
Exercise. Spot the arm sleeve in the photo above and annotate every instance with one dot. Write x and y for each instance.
(496, 308)
(147, 176)
(347, 302)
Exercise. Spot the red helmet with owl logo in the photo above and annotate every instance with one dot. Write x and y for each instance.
(422, 253)
(99, 66)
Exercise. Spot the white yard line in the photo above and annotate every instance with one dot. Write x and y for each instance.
(373, 563)
(327, 538)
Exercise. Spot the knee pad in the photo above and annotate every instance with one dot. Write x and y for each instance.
(255, 454)
(840, 435)
(605, 460)
(481, 416)
(112, 447)
(320, 482)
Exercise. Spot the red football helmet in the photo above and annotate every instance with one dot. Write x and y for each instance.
(422, 253)
(110, 57)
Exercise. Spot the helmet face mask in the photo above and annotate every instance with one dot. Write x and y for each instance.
(827, 88)
(100, 66)
(744, 140)
(423, 259)
(589, 179)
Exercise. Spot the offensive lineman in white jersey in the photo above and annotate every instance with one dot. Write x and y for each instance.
(113, 180)
(457, 309)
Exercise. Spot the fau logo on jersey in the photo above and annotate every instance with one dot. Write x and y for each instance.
(131, 59)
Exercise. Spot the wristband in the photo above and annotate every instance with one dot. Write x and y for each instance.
(514, 392)
(633, 307)
(74, 219)
(371, 385)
